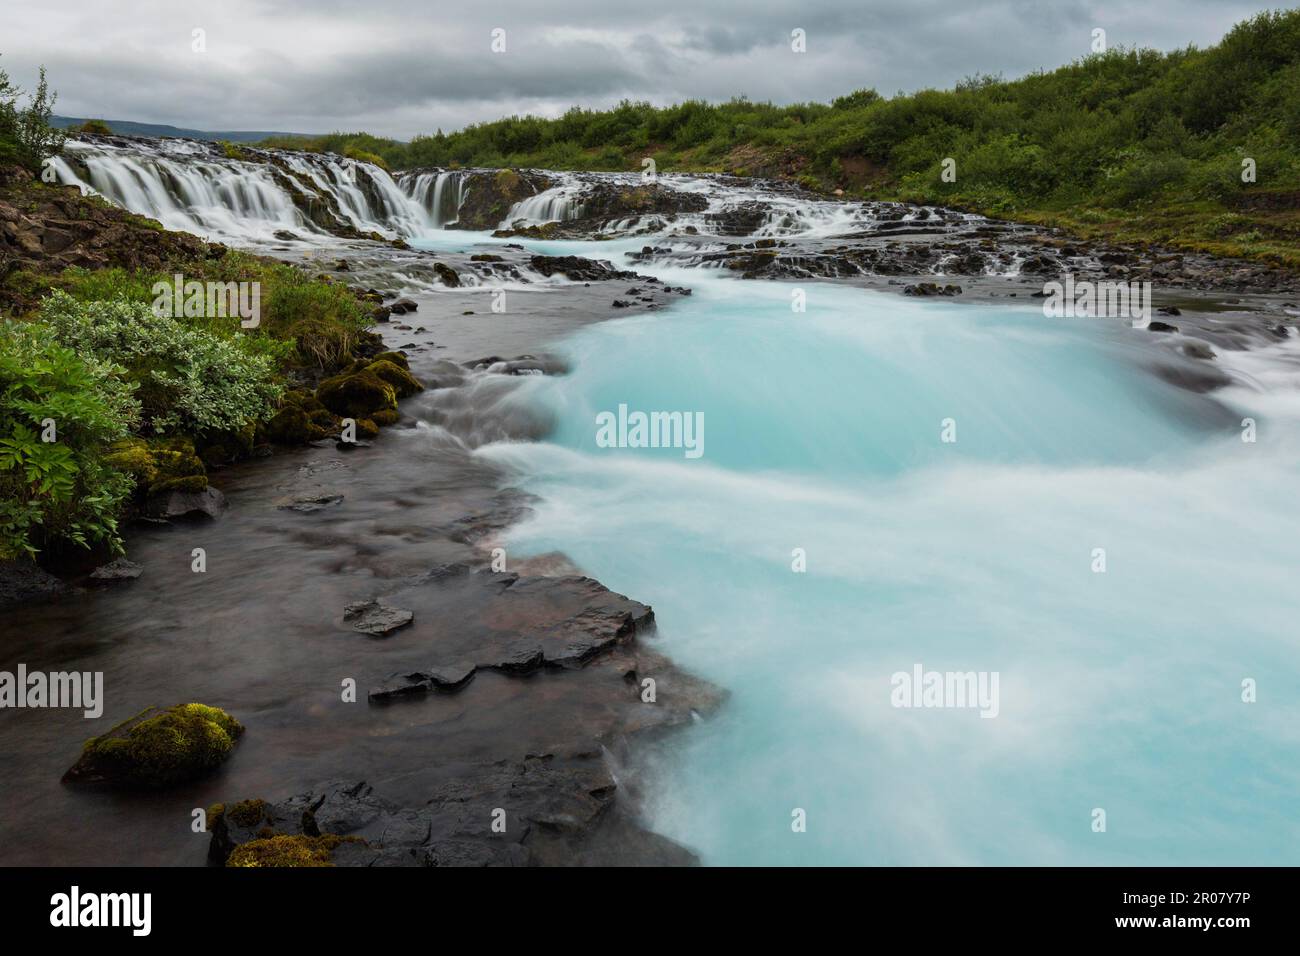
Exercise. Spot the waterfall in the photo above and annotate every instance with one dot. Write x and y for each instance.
(550, 205)
(197, 187)
(439, 194)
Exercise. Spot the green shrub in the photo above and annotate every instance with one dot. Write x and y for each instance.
(61, 490)
(185, 378)
(26, 136)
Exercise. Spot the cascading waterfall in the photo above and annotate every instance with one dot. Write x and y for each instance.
(198, 188)
(440, 194)
(556, 204)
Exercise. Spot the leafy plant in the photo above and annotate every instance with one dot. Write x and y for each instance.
(26, 136)
(185, 378)
(58, 412)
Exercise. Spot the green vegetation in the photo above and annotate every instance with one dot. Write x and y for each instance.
(105, 402)
(158, 748)
(60, 411)
(93, 127)
(184, 377)
(1131, 144)
(26, 137)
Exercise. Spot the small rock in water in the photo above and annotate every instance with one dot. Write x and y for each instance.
(403, 306)
(371, 617)
(451, 676)
(118, 570)
(1161, 327)
(1170, 310)
(311, 503)
(183, 504)
(930, 288)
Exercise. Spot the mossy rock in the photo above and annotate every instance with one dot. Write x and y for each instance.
(224, 448)
(397, 358)
(289, 851)
(403, 382)
(289, 426)
(386, 417)
(366, 428)
(358, 394)
(159, 464)
(157, 748)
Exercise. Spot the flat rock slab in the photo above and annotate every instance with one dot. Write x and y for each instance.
(311, 503)
(549, 805)
(118, 570)
(443, 677)
(379, 620)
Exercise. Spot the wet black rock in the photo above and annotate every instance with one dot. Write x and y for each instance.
(208, 503)
(118, 570)
(539, 810)
(22, 582)
(310, 503)
(931, 288)
(378, 620)
(1156, 326)
(578, 269)
(403, 306)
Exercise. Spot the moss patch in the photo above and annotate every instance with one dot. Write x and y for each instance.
(289, 851)
(157, 748)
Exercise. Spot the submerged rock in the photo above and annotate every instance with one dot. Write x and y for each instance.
(931, 288)
(118, 570)
(156, 748)
(379, 620)
(311, 503)
(24, 582)
(208, 503)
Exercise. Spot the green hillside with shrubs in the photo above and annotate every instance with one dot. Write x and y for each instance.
(1132, 144)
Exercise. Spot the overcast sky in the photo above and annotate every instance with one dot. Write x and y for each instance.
(402, 67)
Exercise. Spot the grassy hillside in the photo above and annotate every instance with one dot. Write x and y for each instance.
(1132, 144)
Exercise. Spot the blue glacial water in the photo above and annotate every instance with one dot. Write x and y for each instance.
(1119, 690)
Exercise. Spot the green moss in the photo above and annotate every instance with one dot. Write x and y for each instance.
(233, 150)
(402, 381)
(159, 464)
(158, 748)
(397, 358)
(357, 394)
(386, 417)
(289, 851)
(248, 813)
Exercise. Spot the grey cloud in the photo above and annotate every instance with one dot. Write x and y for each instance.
(400, 67)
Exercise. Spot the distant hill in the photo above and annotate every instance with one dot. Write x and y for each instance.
(130, 128)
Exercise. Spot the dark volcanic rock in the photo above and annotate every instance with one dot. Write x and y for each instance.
(539, 810)
(118, 570)
(931, 288)
(311, 503)
(208, 503)
(22, 582)
(578, 269)
(379, 620)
